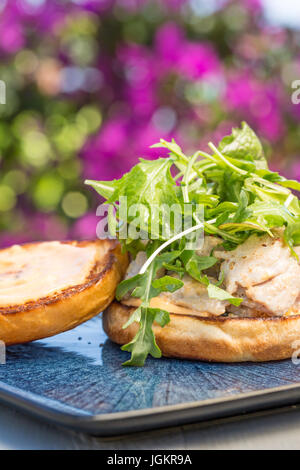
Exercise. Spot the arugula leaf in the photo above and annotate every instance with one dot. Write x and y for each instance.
(292, 184)
(135, 317)
(276, 178)
(132, 246)
(129, 285)
(247, 225)
(274, 213)
(268, 191)
(243, 144)
(167, 284)
(195, 264)
(292, 234)
(149, 184)
(144, 342)
(137, 284)
(162, 317)
(242, 211)
(216, 292)
(105, 188)
(145, 287)
(177, 267)
(112, 221)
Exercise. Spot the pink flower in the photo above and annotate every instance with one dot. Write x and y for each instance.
(85, 227)
(9, 239)
(168, 43)
(101, 155)
(142, 101)
(253, 5)
(145, 136)
(295, 173)
(138, 63)
(174, 4)
(38, 227)
(12, 37)
(257, 102)
(191, 60)
(47, 227)
(198, 60)
(139, 87)
(112, 136)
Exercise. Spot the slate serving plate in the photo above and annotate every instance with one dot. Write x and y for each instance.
(75, 379)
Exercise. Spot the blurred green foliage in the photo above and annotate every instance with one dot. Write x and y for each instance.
(91, 84)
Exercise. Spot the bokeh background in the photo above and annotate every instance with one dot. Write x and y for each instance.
(92, 83)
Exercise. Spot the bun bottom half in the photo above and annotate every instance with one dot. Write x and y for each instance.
(213, 339)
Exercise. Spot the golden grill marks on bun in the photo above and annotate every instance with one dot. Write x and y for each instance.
(50, 287)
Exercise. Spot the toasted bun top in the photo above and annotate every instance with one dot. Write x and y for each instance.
(50, 287)
(37, 271)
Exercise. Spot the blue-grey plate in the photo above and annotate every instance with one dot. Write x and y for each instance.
(76, 379)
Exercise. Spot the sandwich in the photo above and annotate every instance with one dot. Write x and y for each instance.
(217, 278)
(50, 287)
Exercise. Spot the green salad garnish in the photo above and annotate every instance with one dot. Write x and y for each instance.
(238, 195)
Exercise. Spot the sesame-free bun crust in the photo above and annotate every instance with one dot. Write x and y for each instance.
(214, 339)
(66, 308)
